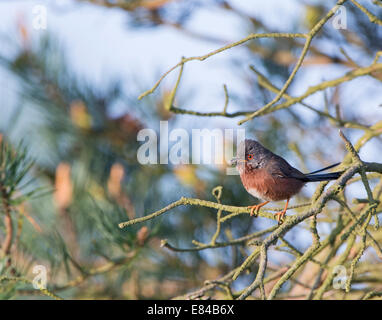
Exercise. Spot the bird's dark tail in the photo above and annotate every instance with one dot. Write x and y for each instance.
(322, 177)
(313, 177)
(326, 168)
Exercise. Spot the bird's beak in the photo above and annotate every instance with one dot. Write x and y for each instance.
(234, 161)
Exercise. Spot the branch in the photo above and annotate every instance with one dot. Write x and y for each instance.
(24, 280)
(212, 53)
(314, 89)
(300, 60)
(259, 280)
(372, 17)
(204, 203)
(298, 263)
(264, 82)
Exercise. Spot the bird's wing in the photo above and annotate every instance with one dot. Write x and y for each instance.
(280, 168)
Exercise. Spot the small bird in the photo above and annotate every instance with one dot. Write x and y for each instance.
(268, 176)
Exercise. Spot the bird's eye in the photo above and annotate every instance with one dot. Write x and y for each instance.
(250, 156)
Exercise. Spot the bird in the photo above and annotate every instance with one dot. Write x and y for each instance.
(270, 177)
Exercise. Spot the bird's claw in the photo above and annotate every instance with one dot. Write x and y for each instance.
(280, 217)
(254, 210)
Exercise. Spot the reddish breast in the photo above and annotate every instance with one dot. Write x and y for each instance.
(261, 184)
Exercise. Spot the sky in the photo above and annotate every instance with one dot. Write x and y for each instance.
(102, 47)
(97, 41)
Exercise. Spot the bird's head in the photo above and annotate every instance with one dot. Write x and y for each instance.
(249, 153)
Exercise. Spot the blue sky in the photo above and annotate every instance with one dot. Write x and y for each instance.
(102, 47)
